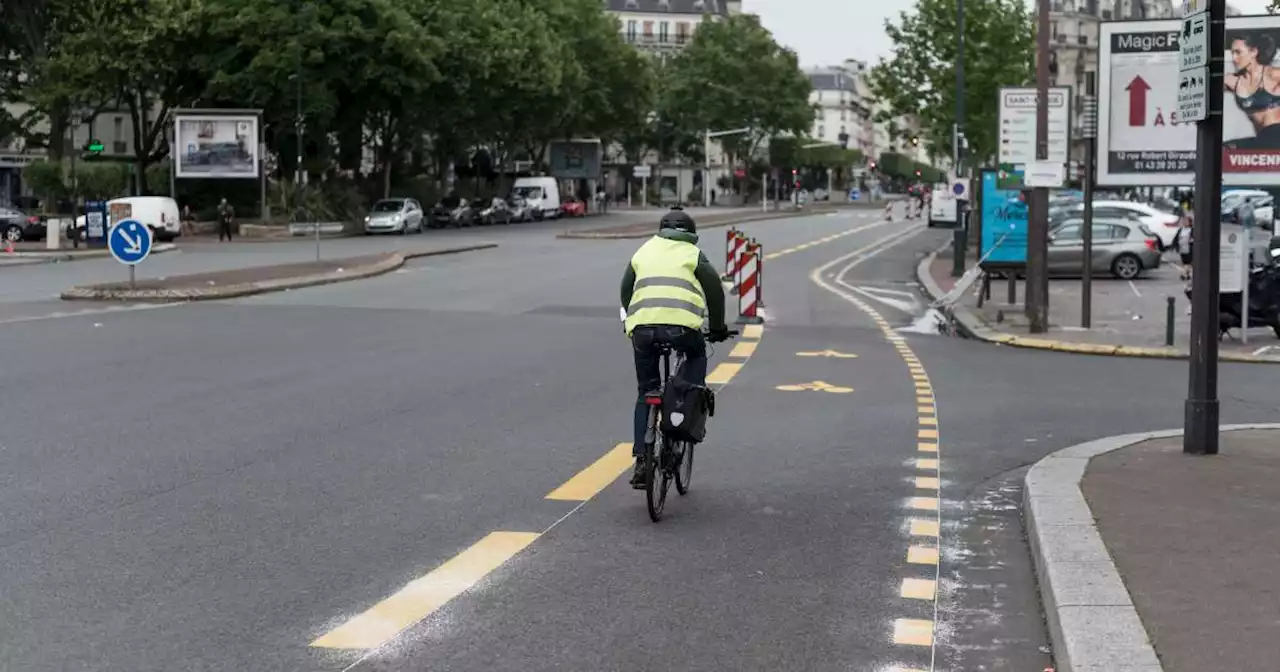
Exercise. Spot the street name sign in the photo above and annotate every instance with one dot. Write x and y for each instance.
(129, 242)
(642, 171)
(1018, 125)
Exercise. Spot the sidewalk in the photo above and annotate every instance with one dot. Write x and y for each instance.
(1144, 552)
(707, 218)
(1129, 317)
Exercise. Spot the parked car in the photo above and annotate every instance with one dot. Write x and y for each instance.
(520, 209)
(452, 211)
(1122, 247)
(542, 193)
(19, 226)
(574, 207)
(394, 215)
(496, 212)
(1163, 224)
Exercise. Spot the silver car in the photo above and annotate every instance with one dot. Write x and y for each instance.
(1123, 248)
(394, 215)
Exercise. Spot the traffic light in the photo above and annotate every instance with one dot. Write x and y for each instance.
(872, 165)
(917, 173)
(915, 141)
(93, 147)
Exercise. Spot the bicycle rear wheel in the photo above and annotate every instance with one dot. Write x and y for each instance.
(684, 472)
(657, 480)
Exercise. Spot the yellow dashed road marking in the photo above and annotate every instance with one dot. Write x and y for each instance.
(753, 331)
(927, 483)
(913, 632)
(923, 503)
(921, 527)
(927, 434)
(424, 595)
(723, 373)
(927, 463)
(927, 447)
(820, 241)
(924, 409)
(922, 555)
(590, 481)
(929, 421)
(744, 349)
(919, 589)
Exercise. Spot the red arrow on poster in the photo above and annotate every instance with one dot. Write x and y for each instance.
(1138, 89)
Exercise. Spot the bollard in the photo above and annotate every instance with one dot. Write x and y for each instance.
(888, 211)
(748, 296)
(759, 252)
(735, 261)
(1170, 309)
(728, 252)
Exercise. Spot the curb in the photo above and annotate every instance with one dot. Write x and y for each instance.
(393, 261)
(1093, 624)
(75, 255)
(974, 327)
(600, 235)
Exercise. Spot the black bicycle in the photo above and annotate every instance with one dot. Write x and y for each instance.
(674, 459)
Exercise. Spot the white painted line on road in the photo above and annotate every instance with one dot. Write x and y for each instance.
(91, 311)
(907, 307)
(1135, 289)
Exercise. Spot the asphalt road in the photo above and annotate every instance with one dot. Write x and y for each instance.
(284, 482)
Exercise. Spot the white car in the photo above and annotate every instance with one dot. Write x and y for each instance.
(1264, 211)
(1163, 224)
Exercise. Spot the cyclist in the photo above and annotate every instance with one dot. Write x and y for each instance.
(668, 288)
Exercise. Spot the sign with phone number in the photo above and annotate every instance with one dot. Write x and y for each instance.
(1142, 162)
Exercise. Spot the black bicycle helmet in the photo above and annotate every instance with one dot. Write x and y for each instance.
(679, 220)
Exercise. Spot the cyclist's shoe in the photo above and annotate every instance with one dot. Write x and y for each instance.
(638, 476)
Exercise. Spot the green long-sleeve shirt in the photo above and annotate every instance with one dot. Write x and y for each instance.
(706, 274)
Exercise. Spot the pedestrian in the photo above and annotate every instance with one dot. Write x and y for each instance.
(1183, 240)
(226, 214)
(188, 220)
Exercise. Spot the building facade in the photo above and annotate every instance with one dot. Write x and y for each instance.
(661, 28)
(113, 128)
(843, 107)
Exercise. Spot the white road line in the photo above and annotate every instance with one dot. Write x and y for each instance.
(1135, 289)
(92, 311)
(908, 307)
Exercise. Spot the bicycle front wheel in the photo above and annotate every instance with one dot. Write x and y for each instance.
(684, 471)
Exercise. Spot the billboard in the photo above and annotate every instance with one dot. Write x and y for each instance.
(210, 145)
(575, 159)
(1141, 142)
(1018, 125)
(1004, 219)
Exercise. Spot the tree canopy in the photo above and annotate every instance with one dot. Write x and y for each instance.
(919, 78)
(418, 86)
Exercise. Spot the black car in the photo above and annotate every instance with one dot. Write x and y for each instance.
(451, 212)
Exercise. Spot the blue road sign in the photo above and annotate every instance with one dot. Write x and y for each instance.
(130, 242)
(957, 189)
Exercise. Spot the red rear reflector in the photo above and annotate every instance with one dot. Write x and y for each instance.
(1151, 244)
(653, 401)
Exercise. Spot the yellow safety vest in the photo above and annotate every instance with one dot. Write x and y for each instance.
(666, 289)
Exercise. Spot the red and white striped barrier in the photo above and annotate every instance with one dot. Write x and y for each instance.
(749, 288)
(888, 211)
(736, 246)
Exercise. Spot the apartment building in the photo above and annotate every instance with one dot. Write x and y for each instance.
(843, 107)
(662, 26)
(113, 128)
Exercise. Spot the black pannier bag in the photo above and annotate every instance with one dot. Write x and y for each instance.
(685, 409)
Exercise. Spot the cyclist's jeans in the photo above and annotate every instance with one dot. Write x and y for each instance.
(645, 341)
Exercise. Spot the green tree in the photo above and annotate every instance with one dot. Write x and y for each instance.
(47, 180)
(919, 78)
(733, 74)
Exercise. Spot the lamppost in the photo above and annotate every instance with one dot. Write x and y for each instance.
(706, 159)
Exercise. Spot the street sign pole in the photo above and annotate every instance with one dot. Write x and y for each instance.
(130, 243)
(1200, 435)
(1091, 147)
(1037, 289)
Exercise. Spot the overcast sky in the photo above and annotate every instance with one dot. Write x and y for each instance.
(826, 32)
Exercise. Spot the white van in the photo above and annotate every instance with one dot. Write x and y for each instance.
(159, 213)
(541, 193)
(943, 207)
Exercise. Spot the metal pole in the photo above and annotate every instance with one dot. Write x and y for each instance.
(1037, 227)
(1090, 134)
(1244, 286)
(133, 277)
(1200, 435)
(959, 237)
(706, 169)
(1169, 312)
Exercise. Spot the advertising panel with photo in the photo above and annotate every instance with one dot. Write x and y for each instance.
(210, 146)
(1141, 142)
(1004, 220)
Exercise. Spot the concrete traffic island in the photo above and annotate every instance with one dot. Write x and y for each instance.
(256, 280)
(1152, 560)
(40, 255)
